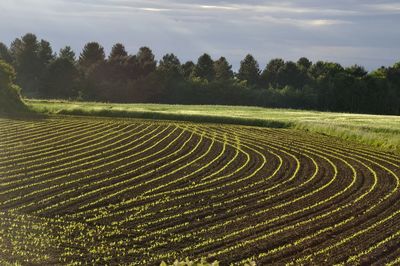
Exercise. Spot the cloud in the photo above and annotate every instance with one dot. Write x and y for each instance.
(386, 7)
(150, 9)
(326, 22)
(233, 28)
(220, 7)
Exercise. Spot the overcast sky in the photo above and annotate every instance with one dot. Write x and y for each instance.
(362, 32)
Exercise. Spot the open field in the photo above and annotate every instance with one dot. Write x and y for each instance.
(103, 191)
(375, 130)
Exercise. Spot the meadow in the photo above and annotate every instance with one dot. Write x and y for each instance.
(81, 190)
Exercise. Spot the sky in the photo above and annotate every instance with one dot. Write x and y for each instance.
(363, 32)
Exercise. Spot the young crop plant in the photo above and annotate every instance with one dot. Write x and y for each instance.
(100, 191)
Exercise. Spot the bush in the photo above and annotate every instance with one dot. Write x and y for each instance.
(10, 97)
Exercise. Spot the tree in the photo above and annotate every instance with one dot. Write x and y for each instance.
(67, 53)
(270, 75)
(304, 64)
(27, 63)
(393, 74)
(117, 52)
(146, 62)
(327, 77)
(223, 71)
(61, 80)
(138, 78)
(10, 98)
(291, 75)
(45, 57)
(170, 66)
(92, 54)
(249, 70)
(356, 71)
(31, 61)
(325, 69)
(204, 68)
(188, 69)
(15, 48)
(45, 53)
(5, 54)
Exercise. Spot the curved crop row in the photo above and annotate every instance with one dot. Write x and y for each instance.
(133, 192)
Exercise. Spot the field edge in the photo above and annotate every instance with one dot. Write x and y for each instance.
(382, 139)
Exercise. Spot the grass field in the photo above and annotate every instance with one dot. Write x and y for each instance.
(379, 131)
(107, 191)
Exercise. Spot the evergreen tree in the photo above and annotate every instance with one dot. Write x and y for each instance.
(188, 69)
(223, 71)
(92, 54)
(290, 75)
(204, 68)
(249, 70)
(45, 53)
(118, 52)
(146, 61)
(27, 63)
(62, 79)
(170, 66)
(271, 73)
(67, 53)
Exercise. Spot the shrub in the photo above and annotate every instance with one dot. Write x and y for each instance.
(10, 97)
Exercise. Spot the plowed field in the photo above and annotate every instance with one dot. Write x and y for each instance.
(134, 192)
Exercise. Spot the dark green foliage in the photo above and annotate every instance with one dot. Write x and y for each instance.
(27, 63)
(270, 75)
(5, 54)
(31, 59)
(10, 99)
(357, 71)
(291, 75)
(249, 71)
(62, 79)
(45, 53)
(223, 70)
(123, 77)
(187, 69)
(147, 64)
(67, 53)
(117, 52)
(204, 68)
(92, 54)
(170, 67)
(304, 64)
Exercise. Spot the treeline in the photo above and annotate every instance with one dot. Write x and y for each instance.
(123, 77)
